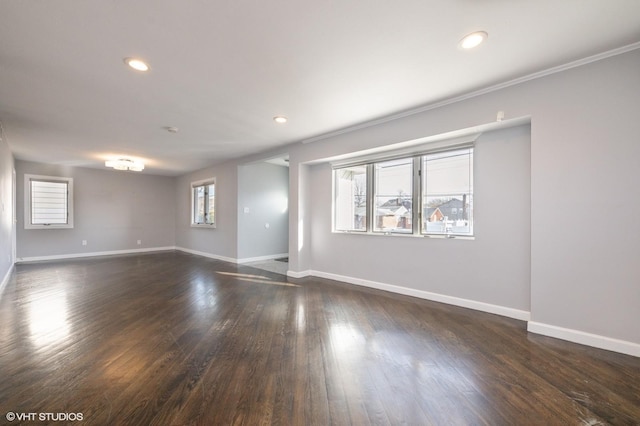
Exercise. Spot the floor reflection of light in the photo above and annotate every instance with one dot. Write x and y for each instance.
(346, 340)
(202, 294)
(239, 275)
(301, 320)
(428, 368)
(261, 279)
(48, 319)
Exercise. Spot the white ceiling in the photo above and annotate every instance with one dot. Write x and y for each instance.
(220, 70)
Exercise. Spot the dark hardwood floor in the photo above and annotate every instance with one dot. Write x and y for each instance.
(171, 339)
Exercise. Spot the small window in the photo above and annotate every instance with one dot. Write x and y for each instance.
(350, 192)
(48, 202)
(203, 206)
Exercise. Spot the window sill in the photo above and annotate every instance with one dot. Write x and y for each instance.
(401, 235)
(48, 227)
(204, 226)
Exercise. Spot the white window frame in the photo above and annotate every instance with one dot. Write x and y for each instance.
(28, 178)
(204, 183)
(367, 190)
(414, 188)
(417, 195)
(449, 233)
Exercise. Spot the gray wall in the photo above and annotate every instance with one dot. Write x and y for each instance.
(263, 188)
(220, 242)
(112, 210)
(493, 268)
(585, 157)
(7, 228)
(584, 160)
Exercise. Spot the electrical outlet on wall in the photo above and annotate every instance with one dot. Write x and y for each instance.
(139, 242)
(84, 242)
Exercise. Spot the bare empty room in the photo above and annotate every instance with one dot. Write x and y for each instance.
(297, 212)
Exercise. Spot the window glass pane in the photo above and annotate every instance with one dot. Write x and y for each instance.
(49, 202)
(447, 200)
(198, 204)
(351, 198)
(393, 196)
(211, 196)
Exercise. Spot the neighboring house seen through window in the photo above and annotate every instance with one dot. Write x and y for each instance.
(393, 198)
(203, 196)
(447, 193)
(438, 184)
(48, 202)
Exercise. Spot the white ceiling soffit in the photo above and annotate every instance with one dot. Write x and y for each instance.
(448, 140)
(221, 71)
(279, 161)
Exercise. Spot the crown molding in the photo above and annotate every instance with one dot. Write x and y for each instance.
(480, 92)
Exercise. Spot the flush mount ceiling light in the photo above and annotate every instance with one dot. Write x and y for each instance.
(125, 164)
(136, 64)
(473, 40)
(280, 119)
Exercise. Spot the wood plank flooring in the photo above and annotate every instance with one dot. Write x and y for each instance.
(175, 339)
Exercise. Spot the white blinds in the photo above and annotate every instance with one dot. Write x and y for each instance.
(49, 202)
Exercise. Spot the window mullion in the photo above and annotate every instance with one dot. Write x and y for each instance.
(370, 203)
(206, 203)
(416, 214)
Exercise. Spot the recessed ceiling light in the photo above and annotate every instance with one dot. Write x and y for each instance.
(472, 40)
(136, 64)
(280, 119)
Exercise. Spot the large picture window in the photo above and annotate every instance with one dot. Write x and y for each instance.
(203, 203)
(423, 194)
(48, 202)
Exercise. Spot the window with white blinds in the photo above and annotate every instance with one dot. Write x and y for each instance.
(48, 202)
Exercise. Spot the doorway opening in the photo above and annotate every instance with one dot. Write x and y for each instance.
(263, 214)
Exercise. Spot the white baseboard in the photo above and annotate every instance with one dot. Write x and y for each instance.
(6, 278)
(576, 336)
(301, 274)
(92, 254)
(261, 258)
(205, 254)
(450, 300)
